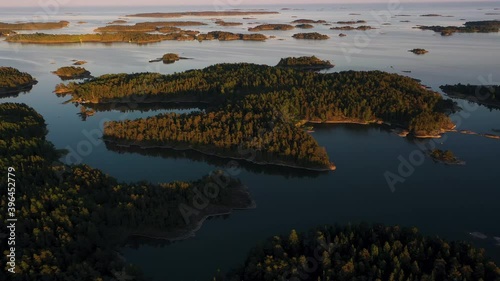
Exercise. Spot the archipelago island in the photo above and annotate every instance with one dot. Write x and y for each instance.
(13, 81)
(260, 107)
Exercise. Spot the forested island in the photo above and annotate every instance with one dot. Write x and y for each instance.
(202, 14)
(261, 108)
(132, 37)
(305, 63)
(311, 36)
(446, 157)
(348, 27)
(468, 27)
(363, 252)
(418, 51)
(304, 26)
(263, 27)
(351, 22)
(227, 23)
(13, 81)
(73, 219)
(72, 72)
(488, 95)
(161, 26)
(308, 21)
(33, 25)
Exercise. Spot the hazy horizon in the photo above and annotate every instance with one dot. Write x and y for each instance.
(231, 4)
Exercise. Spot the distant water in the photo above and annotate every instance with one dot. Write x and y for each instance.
(449, 201)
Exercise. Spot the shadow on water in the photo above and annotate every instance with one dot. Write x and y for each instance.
(216, 161)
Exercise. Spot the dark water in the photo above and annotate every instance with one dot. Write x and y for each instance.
(449, 201)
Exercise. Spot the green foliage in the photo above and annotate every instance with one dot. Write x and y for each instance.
(469, 27)
(266, 122)
(300, 62)
(311, 36)
(72, 219)
(352, 253)
(72, 72)
(482, 93)
(12, 79)
(33, 25)
(263, 27)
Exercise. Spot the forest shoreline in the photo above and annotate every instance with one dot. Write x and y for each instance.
(128, 144)
(240, 200)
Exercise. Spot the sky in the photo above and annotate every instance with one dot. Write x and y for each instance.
(230, 3)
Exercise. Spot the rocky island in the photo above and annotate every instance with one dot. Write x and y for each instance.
(308, 21)
(418, 51)
(352, 22)
(227, 23)
(304, 26)
(13, 81)
(162, 26)
(311, 36)
(263, 27)
(445, 157)
(254, 96)
(229, 36)
(348, 27)
(72, 72)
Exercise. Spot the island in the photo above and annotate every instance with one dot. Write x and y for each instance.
(226, 23)
(229, 36)
(131, 37)
(203, 14)
(123, 37)
(486, 26)
(305, 63)
(351, 22)
(418, 51)
(445, 157)
(263, 27)
(311, 36)
(362, 252)
(348, 27)
(118, 22)
(488, 95)
(342, 35)
(263, 107)
(87, 215)
(79, 62)
(33, 25)
(169, 26)
(308, 21)
(304, 26)
(13, 81)
(72, 72)
(168, 58)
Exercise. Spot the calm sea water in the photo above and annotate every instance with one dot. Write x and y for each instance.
(450, 201)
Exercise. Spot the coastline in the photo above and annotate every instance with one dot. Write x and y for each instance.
(331, 167)
(240, 200)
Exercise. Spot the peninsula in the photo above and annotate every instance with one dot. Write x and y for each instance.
(92, 210)
(13, 81)
(488, 95)
(246, 98)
